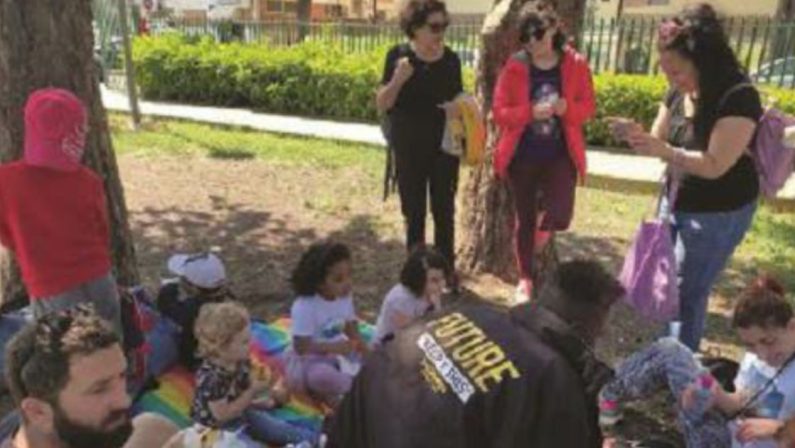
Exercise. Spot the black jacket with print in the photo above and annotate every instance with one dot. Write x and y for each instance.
(475, 376)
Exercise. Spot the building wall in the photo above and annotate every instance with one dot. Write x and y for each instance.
(469, 7)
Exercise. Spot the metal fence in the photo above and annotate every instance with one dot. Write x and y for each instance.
(764, 46)
(464, 38)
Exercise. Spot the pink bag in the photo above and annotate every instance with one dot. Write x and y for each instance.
(649, 272)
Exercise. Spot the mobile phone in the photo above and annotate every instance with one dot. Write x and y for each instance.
(620, 127)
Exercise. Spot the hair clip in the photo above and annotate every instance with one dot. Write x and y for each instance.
(668, 31)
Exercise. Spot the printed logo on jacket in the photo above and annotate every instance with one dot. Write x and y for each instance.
(461, 359)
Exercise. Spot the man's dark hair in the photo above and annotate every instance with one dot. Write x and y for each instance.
(38, 357)
(415, 13)
(315, 264)
(762, 305)
(580, 291)
(414, 274)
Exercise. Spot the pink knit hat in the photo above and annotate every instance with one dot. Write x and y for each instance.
(55, 129)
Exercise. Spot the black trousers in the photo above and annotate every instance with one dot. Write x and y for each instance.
(424, 171)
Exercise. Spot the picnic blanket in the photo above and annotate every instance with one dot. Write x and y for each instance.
(173, 396)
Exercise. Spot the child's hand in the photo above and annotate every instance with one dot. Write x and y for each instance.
(258, 386)
(266, 403)
(280, 393)
(359, 346)
(343, 348)
(688, 397)
(758, 428)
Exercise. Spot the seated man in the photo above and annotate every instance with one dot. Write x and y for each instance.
(478, 377)
(66, 374)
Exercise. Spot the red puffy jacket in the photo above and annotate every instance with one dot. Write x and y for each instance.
(512, 109)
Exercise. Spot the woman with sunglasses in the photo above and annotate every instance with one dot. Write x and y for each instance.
(543, 97)
(419, 81)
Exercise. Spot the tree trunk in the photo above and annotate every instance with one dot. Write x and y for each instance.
(50, 43)
(786, 10)
(487, 242)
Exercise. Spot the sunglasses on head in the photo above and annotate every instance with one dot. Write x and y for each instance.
(438, 27)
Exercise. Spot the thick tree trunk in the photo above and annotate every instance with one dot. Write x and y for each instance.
(50, 43)
(488, 216)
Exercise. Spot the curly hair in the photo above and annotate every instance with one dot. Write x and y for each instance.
(414, 14)
(217, 325)
(763, 304)
(532, 19)
(38, 357)
(314, 266)
(697, 34)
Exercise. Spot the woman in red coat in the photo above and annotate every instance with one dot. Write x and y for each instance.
(543, 97)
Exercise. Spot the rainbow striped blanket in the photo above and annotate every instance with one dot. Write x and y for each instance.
(174, 393)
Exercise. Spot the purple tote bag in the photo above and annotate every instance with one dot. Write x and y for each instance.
(649, 271)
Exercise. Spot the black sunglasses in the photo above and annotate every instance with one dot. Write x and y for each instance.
(438, 27)
(539, 33)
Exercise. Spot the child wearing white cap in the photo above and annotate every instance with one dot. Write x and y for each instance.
(202, 279)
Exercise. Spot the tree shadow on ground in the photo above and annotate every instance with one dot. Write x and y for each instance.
(221, 152)
(260, 251)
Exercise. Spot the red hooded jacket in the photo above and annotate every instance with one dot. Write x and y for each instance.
(512, 109)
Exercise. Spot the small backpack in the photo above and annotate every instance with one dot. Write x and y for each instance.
(772, 148)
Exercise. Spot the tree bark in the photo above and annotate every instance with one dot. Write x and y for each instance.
(50, 43)
(488, 215)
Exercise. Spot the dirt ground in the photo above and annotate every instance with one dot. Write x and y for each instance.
(260, 217)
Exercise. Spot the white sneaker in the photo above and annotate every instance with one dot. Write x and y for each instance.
(522, 294)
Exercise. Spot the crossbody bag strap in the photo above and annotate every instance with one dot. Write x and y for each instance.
(749, 404)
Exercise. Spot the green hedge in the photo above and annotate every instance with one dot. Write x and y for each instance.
(321, 80)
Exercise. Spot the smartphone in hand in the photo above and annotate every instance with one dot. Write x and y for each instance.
(621, 127)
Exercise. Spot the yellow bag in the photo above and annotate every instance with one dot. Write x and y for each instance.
(465, 137)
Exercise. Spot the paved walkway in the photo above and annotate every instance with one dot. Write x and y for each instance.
(602, 165)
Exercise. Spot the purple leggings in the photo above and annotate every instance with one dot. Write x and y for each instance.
(320, 376)
(547, 187)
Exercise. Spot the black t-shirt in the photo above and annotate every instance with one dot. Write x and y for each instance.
(740, 184)
(543, 140)
(416, 108)
(471, 377)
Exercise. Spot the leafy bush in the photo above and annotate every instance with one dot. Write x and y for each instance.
(321, 80)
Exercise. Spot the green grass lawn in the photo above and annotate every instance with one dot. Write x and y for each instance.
(166, 137)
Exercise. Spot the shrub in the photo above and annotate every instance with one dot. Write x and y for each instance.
(321, 80)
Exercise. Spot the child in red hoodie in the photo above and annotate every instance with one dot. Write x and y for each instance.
(53, 214)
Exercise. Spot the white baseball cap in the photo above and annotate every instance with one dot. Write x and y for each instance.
(204, 270)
